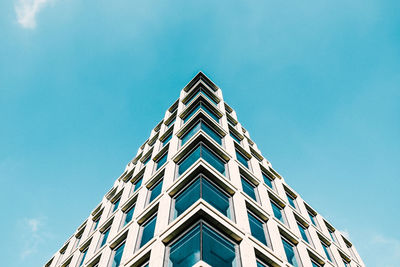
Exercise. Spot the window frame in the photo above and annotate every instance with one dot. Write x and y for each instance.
(142, 226)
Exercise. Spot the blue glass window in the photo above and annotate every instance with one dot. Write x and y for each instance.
(202, 188)
(259, 264)
(201, 126)
(166, 140)
(96, 223)
(235, 137)
(327, 251)
(303, 233)
(257, 229)
(290, 252)
(312, 218)
(277, 212)
(118, 256)
(172, 121)
(249, 189)
(162, 160)
(147, 160)
(83, 256)
(129, 215)
(155, 191)
(203, 107)
(242, 159)
(291, 200)
(138, 183)
(202, 243)
(204, 93)
(105, 236)
(346, 263)
(332, 234)
(314, 264)
(147, 230)
(202, 152)
(116, 204)
(267, 180)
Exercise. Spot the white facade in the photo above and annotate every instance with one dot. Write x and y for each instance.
(222, 199)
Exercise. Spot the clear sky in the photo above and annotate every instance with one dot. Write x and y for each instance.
(82, 83)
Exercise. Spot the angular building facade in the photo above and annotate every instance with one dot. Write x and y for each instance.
(200, 193)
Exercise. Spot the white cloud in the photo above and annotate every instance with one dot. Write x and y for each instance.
(32, 234)
(27, 10)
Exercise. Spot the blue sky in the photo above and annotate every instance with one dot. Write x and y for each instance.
(317, 85)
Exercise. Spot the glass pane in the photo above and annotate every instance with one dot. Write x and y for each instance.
(192, 132)
(303, 232)
(156, 191)
(187, 198)
(138, 184)
(200, 105)
(249, 189)
(312, 219)
(129, 215)
(147, 160)
(267, 180)
(172, 121)
(186, 252)
(204, 94)
(162, 160)
(211, 133)
(116, 203)
(186, 163)
(235, 137)
(217, 251)
(118, 256)
(242, 159)
(105, 236)
(326, 249)
(277, 212)
(215, 197)
(257, 229)
(96, 223)
(289, 251)
(315, 264)
(208, 156)
(148, 231)
(291, 200)
(332, 235)
(83, 257)
(167, 139)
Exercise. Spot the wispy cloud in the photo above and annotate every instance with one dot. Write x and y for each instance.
(27, 10)
(345, 233)
(33, 235)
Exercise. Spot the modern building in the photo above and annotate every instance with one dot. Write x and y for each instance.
(200, 193)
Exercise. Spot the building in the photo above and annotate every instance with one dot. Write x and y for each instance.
(200, 193)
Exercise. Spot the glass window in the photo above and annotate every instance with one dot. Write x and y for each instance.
(303, 232)
(129, 215)
(327, 250)
(162, 160)
(83, 256)
(290, 251)
(77, 241)
(117, 257)
(202, 243)
(155, 191)
(200, 105)
(147, 230)
(96, 223)
(147, 160)
(166, 140)
(204, 92)
(249, 189)
(312, 218)
(202, 188)
(105, 236)
(261, 264)
(171, 122)
(202, 152)
(277, 212)
(235, 137)
(332, 234)
(257, 229)
(267, 180)
(116, 204)
(315, 264)
(291, 200)
(138, 183)
(242, 159)
(346, 263)
(201, 126)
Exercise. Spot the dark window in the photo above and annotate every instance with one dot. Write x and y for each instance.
(291, 253)
(291, 200)
(257, 228)
(105, 236)
(147, 230)
(303, 232)
(242, 159)
(129, 215)
(267, 180)
(162, 160)
(155, 191)
(117, 257)
(278, 213)
(200, 105)
(204, 92)
(201, 126)
(249, 189)
(116, 204)
(235, 137)
(138, 183)
(202, 152)
(203, 243)
(166, 140)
